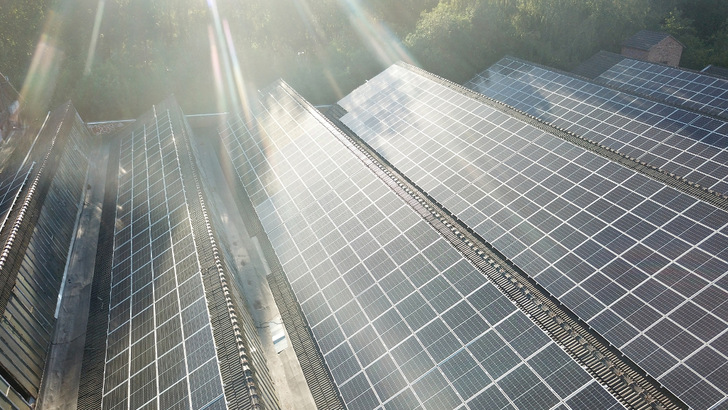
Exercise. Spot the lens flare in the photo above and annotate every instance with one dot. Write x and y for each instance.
(377, 37)
(242, 87)
(40, 82)
(216, 71)
(334, 85)
(221, 62)
(94, 37)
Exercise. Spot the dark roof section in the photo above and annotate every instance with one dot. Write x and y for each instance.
(598, 64)
(645, 39)
(716, 71)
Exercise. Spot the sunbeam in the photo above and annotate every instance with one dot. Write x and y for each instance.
(242, 87)
(216, 71)
(334, 85)
(94, 37)
(223, 62)
(377, 37)
(42, 76)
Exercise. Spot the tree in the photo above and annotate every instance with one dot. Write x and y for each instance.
(20, 26)
(146, 49)
(710, 13)
(444, 40)
(564, 32)
(696, 52)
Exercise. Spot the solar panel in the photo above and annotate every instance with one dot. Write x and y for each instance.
(377, 284)
(10, 184)
(627, 254)
(37, 267)
(160, 347)
(675, 140)
(677, 86)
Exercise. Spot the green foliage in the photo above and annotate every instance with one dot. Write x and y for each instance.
(564, 32)
(401, 15)
(720, 47)
(458, 38)
(711, 15)
(146, 49)
(700, 51)
(20, 26)
(116, 89)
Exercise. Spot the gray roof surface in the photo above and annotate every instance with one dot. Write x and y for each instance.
(598, 64)
(715, 70)
(645, 39)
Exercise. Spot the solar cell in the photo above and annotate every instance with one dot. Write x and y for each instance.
(39, 204)
(400, 285)
(675, 140)
(694, 90)
(570, 259)
(10, 184)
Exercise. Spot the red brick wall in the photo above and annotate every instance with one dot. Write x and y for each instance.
(667, 51)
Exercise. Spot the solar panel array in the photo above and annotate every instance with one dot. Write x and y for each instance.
(160, 350)
(687, 144)
(10, 184)
(29, 321)
(402, 319)
(37, 248)
(641, 263)
(677, 86)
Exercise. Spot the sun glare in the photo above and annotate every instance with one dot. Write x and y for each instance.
(94, 37)
(378, 38)
(42, 76)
